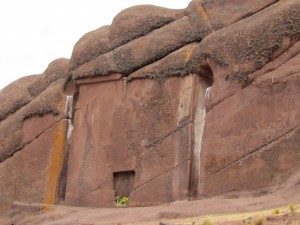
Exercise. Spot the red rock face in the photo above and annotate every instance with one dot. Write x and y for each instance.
(145, 127)
(33, 174)
(256, 145)
(143, 123)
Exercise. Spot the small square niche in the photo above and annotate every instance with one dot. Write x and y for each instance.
(123, 183)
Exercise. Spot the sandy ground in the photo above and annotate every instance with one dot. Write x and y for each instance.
(22, 214)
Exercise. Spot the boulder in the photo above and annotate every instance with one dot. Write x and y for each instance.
(90, 46)
(137, 21)
(15, 96)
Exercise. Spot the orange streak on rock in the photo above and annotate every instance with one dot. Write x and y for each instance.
(56, 162)
(188, 53)
(202, 13)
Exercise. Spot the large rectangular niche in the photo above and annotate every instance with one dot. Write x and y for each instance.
(145, 126)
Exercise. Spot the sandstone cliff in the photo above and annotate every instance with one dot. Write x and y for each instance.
(177, 104)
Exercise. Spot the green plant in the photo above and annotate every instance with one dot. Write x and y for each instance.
(276, 211)
(207, 222)
(121, 201)
(292, 207)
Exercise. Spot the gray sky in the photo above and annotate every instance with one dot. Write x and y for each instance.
(35, 32)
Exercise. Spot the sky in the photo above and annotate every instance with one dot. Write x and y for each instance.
(35, 32)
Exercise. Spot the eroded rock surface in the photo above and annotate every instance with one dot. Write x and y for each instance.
(144, 110)
(33, 136)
